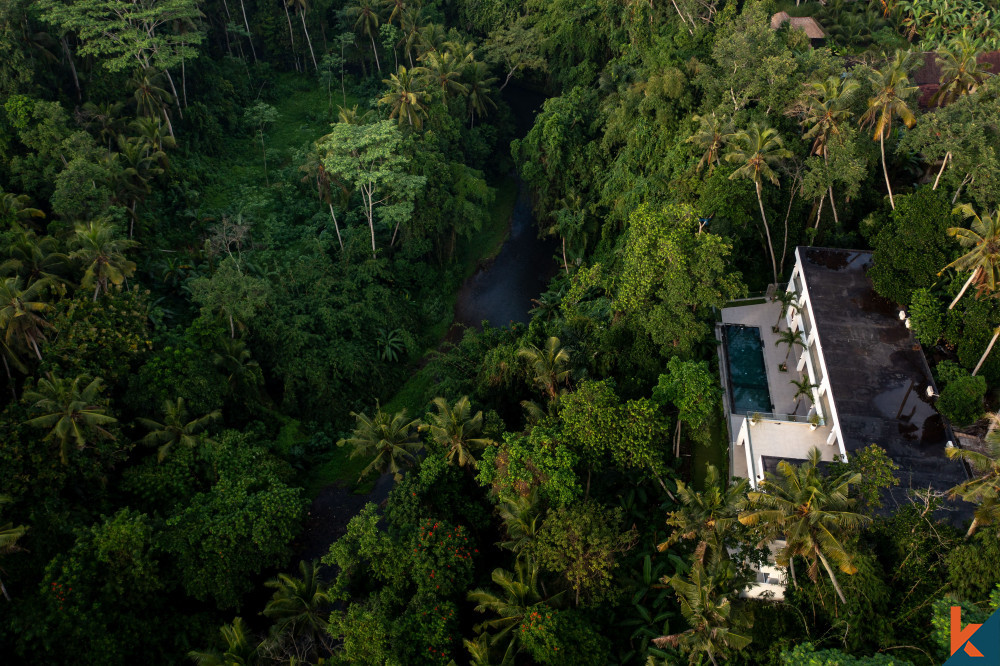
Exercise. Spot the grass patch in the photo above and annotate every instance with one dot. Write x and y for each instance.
(338, 467)
(715, 452)
(411, 395)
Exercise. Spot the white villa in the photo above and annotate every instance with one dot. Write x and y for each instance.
(838, 369)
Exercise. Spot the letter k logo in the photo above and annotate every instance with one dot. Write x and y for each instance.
(961, 636)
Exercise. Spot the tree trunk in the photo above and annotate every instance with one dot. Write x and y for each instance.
(72, 66)
(246, 24)
(184, 83)
(392, 241)
(986, 353)
(375, 51)
(960, 186)
(833, 205)
(791, 570)
(10, 379)
(302, 15)
(683, 20)
(337, 227)
(371, 219)
(767, 231)
(885, 169)
(565, 265)
(3, 588)
(714, 662)
(941, 170)
(972, 529)
(964, 287)
(833, 576)
(291, 35)
(170, 128)
(820, 211)
(177, 99)
(263, 152)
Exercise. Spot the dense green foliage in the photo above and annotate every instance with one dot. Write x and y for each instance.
(232, 238)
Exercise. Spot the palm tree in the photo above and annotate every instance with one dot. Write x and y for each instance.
(550, 365)
(441, 71)
(9, 536)
(241, 649)
(457, 430)
(811, 512)
(803, 389)
(300, 7)
(405, 100)
(70, 414)
(705, 515)
(519, 592)
(235, 361)
(17, 207)
(960, 73)
(176, 428)
(35, 258)
(300, 608)
(367, 23)
(391, 439)
(138, 166)
(522, 517)
(351, 115)
(709, 614)
(411, 23)
(21, 314)
(788, 301)
(790, 338)
(983, 490)
(983, 257)
(756, 151)
(711, 137)
(103, 119)
(478, 85)
(103, 254)
(395, 9)
(151, 98)
(827, 108)
(892, 87)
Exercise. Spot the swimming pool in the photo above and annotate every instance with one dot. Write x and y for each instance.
(744, 351)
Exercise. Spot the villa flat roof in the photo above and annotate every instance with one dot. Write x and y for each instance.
(878, 373)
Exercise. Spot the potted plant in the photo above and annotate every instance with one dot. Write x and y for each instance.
(783, 367)
(754, 418)
(814, 420)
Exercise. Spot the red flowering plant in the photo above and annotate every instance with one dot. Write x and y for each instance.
(442, 558)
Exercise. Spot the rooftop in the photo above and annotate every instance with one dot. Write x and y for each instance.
(878, 373)
(806, 24)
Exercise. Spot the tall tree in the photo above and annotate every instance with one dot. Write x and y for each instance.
(715, 628)
(478, 84)
(21, 315)
(706, 516)
(369, 160)
(984, 489)
(519, 591)
(9, 536)
(892, 89)
(456, 429)
(982, 239)
(405, 98)
(102, 253)
(811, 512)
(300, 609)
(301, 7)
(960, 70)
(390, 438)
(177, 428)
(710, 138)
(367, 20)
(241, 648)
(756, 151)
(72, 415)
(442, 71)
(827, 108)
(550, 366)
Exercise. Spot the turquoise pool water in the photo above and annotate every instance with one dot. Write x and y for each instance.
(744, 349)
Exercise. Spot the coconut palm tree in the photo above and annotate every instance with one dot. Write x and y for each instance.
(960, 71)
(982, 237)
(788, 301)
(828, 107)
(300, 609)
(441, 70)
(176, 428)
(757, 151)
(790, 338)
(22, 313)
(9, 536)
(241, 649)
(390, 438)
(100, 250)
(478, 84)
(35, 258)
(811, 512)
(411, 22)
(711, 137)
(300, 7)
(405, 98)
(520, 590)
(366, 23)
(892, 88)
(138, 165)
(17, 208)
(151, 98)
(550, 365)
(72, 414)
(714, 626)
(232, 357)
(522, 517)
(984, 489)
(457, 430)
(803, 389)
(705, 516)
